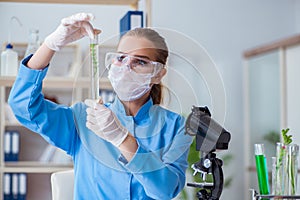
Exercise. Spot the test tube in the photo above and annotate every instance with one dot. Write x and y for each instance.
(261, 168)
(94, 67)
(274, 160)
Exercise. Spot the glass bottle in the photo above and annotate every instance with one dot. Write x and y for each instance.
(33, 42)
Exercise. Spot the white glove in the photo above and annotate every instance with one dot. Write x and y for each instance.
(102, 121)
(71, 29)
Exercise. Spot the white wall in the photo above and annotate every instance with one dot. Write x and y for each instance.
(224, 28)
(46, 17)
(297, 8)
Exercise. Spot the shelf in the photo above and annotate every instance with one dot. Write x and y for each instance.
(60, 82)
(257, 196)
(13, 124)
(34, 167)
(132, 3)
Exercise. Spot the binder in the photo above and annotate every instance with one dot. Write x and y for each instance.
(15, 146)
(6, 187)
(131, 20)
(11, 146)
(7, 146)
(14, 189)
(14, 186)
(22, 187)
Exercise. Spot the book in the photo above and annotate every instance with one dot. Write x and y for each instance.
(131, 20)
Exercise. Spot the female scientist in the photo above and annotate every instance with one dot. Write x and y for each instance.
(129, 149)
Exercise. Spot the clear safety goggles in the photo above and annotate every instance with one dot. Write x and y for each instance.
(134, 63)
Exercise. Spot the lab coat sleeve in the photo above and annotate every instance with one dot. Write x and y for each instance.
(52, 121)
(163, 176)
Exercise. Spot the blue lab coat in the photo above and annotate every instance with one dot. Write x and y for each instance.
(157, 170)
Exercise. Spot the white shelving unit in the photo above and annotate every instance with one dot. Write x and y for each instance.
(38, 173)
(31, 144)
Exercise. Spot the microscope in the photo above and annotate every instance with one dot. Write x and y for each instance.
(210, 136)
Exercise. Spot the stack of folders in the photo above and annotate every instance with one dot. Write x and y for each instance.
(131, 20)
(107, 96)
(14, 187)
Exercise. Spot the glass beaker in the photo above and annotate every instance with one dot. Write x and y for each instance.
(291, 169)
(286, 169)
(280, 160)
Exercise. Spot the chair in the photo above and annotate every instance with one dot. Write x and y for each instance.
(62, 185)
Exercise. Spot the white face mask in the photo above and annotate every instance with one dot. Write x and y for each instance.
(128, 84)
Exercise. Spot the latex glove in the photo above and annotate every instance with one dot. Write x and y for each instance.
(102, 121)
(71, 29)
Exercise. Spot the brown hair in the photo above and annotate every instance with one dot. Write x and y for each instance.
(161, 55)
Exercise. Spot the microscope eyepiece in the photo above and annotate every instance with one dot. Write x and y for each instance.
(210, 134)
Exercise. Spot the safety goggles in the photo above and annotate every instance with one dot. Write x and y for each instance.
(134, 63)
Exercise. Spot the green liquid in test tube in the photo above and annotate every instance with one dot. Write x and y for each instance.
(94, 67)
(262, 170)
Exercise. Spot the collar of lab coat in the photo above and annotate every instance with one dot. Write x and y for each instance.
(142, 114)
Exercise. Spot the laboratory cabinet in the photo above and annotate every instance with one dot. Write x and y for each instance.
(271, 99)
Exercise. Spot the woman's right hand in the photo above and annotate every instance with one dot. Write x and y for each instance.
(71, 29)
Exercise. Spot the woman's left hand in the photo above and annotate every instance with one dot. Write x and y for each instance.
(102, 121)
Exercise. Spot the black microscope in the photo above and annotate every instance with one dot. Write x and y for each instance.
(210, 136)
